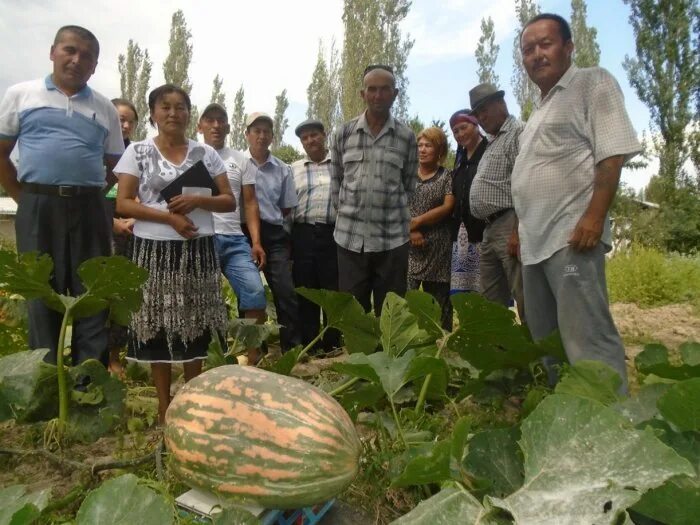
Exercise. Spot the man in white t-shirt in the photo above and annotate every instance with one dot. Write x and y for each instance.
(240, 262)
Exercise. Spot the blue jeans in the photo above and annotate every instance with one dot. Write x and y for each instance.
(237, 265)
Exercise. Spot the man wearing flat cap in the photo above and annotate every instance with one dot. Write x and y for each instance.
(490, 198)
(274, 187)
(313, 249)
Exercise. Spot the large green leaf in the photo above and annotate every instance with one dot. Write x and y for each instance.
(592, 380)
(28, 387)
(248, 334)
(17, 507)
(585, 464)
(450, 506)
(426, 311)
(690, 353)
(489, 337)
(654, 360)
(124, 500)
(681, 405)
(360, 329)
(642, 407)
(676, 502)
(399, 327)
(110, 282)
(234, 516)
(494, 456)
(426, 463)
(95, 414)
(28, 275)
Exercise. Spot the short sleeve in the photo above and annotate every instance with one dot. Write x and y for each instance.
(214, 163)
(127, 163)
(610, 127)
(249, 171)
(9, 116)
(447, 183)
(288, 196)
(114, 143)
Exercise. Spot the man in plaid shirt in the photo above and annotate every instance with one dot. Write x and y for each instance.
(373, 172)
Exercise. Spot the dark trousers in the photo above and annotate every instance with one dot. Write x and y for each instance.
(315, 266)
(371, 275)
(278, 274)
(70, 230)
(441, 293)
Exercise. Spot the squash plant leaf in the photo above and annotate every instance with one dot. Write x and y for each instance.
(449, 506)
(399, 327)
(286, 363)
(17, 507)
(28, 387)
(690, 353)
(124, 500)
(680, 405)
(589, 462)
(642, 407)
(234, 515)
(494, 456)
(591, 380)
(654, 360)
(360, 329)
(426, 311)
(110, 282)
(676, 502)
(101, 407)
(28, 275)
(423, 464)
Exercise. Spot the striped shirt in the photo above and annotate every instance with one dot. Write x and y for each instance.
(490, 192)
(313, 183)
(371, 181)
(580, 122)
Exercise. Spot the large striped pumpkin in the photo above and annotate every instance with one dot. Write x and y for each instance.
(262, 438)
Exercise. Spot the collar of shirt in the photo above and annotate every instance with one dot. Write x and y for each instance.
(307, 160)
(507, 126)
(51, 86)
(271, 159)
(362, 124)
(563, 83)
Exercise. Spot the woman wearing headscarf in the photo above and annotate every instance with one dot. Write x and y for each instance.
(468, 231)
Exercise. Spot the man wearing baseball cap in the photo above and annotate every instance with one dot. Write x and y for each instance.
(490, 198)
(313, 247)
(274, 186)
(240, 261)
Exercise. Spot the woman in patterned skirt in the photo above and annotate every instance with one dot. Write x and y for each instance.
(431, 205)
(182, 304)
(468, 231)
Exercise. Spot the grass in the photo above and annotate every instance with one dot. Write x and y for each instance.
(650, 278)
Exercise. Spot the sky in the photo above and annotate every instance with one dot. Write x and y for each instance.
(271, 45)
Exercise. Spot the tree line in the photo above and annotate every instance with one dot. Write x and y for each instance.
(664, 72)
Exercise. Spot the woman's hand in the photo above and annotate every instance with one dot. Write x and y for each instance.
(417, 239)
(123, 227)
(183, 225)
(184, 204)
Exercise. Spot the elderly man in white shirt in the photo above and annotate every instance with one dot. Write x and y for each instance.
(564, 180)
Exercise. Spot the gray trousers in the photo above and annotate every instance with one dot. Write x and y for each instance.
(568, 292)
(501, 274)
(70, 230)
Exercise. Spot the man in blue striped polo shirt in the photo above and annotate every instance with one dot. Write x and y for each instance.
(66, 134)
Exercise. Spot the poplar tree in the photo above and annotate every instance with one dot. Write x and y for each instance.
(524, 90)
(665, 75)
(322, 93)
(238, 115)
(135, 72)
(280, 123)
(372, 36)
(487, 52)
(217, 94)
(177, 63)
(586, 49)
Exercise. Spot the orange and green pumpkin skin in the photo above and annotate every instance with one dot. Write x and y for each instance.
(257, 437)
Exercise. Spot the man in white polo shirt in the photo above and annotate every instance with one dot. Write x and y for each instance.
(564, 180)
(67, 133)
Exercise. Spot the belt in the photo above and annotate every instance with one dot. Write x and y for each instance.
(500, 213)
(60, 191)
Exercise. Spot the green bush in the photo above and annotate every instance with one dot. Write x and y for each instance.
(649, 277)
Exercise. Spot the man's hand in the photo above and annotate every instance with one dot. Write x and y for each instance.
(184, 204)
(259, 256)
(183, 225)
(417, 239)
(587, 233)
(123, 227)
(513, 246)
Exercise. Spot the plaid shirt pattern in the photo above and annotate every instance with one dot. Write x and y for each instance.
(313, 183)
(372, 179)
(490, 192)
